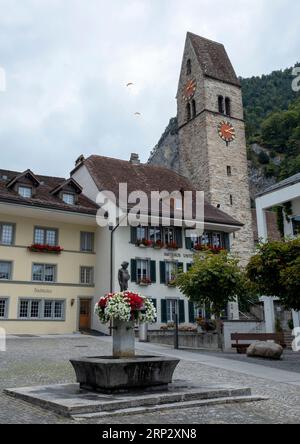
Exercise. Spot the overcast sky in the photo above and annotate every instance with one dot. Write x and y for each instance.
(67, 63)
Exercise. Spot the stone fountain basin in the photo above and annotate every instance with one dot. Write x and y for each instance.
(109, 375)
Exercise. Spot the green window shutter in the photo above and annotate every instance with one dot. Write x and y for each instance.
(189, 266)
(180, 267)
(188, 243)
(133, 270)
(178, 236)
(162, 267)
(133, 235)
(164, 319)
(153, 271)
(181, 312)
(191, 312)
(227, 241)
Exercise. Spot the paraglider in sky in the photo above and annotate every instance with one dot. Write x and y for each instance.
(137, 114)
(129, 84)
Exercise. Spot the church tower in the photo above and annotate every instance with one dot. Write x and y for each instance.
(211, 133)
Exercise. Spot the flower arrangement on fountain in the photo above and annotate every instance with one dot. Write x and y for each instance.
(125, 306)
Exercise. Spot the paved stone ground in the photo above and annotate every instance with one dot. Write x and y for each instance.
(38, 361)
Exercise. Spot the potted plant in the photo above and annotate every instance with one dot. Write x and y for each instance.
(41, 248)
(144, 282)
(144, 243)
(158, 245)
(172, 246)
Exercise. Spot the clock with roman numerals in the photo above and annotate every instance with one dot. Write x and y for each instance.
(226, 132)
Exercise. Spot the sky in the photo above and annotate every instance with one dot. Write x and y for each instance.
(65, 64)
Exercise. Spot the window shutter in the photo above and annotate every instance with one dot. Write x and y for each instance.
(189, 266)
(188, 243)
(133, 235)
(181, 312)
(180, 267)
(162, 266)
(178, 236)
(191, 312)
(227, 241)
(153, 271)
(133, 270)
(164, 319)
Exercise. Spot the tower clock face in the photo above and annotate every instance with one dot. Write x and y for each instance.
(189, 90)
(226, 132)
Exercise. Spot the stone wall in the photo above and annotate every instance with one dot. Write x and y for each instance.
(186, 339)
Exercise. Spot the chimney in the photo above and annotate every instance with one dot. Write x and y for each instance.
(79, 160)
(134, 159)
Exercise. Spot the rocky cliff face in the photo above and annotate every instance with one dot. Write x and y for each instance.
(166, 153)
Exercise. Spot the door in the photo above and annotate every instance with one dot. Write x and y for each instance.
(85, 314)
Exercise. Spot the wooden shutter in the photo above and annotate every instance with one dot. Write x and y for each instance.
(188, 243)
(133, 270)
(162, 267)
(153, 271)
(180, 267)
(189, 266)
(164, 319)
(181, 312)
(133, 235)
(191, 312)
(178, 236)
(227, 241)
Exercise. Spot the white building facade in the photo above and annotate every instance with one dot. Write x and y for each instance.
(287, 195)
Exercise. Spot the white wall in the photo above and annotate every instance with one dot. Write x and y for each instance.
(241, 327)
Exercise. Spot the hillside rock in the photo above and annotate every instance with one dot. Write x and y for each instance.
(166, 152)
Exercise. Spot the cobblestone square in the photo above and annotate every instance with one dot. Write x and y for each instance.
(40, 361)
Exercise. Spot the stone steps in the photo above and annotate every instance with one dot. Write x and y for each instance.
(171, 406)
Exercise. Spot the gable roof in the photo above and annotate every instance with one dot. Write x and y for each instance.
(108, 173)
(42, 196)
(28, 174)
(69, 182)
(213, 59)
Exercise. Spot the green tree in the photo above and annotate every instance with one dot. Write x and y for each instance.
(275, 271)
(213, 280)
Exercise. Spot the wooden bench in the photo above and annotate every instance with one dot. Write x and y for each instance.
(253, 337)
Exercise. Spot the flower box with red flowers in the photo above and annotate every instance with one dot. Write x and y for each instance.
(144, 243)
(145, 282)
(158, 245)
(172, 246)
(210, 248)
(41, 248)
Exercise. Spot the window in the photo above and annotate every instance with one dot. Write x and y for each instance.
(169, 235)
(3, 308)
(296, 225)
(5, 270)
(231, 199)
(210, 239)
(221, 104)
(68, 198)
(227, 106)
(188, 67)
(188, 112)
(43, 273)
(154, 234)
(45, 236)
(25, 192)
(6, 234)
(142, 269)
(172, 309)
(37, 309)
(229, 173)
(87, 242)
(87, 275)
(171, 271)
(141, 233)
(194, 108)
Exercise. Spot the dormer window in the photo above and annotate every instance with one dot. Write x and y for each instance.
(25, 192)
(68, 198)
